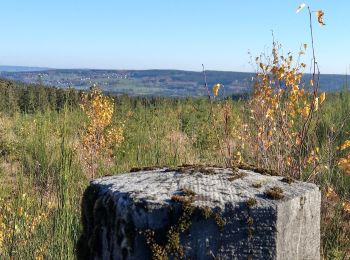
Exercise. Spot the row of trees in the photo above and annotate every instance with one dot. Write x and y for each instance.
(18, 97)
(30, 98)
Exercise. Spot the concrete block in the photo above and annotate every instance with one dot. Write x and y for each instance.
(196, 212)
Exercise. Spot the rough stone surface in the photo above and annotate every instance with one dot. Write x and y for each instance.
(117, 210)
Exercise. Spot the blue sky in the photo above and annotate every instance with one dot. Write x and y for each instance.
(166, 34)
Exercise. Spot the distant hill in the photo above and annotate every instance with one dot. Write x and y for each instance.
(150, 82)
(4, 68)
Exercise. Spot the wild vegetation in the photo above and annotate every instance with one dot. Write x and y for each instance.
(44, 168)
(52, 141)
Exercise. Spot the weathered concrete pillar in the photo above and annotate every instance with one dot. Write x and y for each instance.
(194, 212)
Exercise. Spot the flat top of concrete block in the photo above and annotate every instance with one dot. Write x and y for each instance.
(213, 187)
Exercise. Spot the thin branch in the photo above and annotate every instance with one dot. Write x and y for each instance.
(206, 82)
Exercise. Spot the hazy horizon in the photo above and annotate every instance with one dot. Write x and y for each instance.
(150, 69)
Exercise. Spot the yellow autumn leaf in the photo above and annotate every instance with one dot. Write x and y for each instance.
(345, 145)
(238, 157)
(346, 207)
(306, 110)
(295, 89)
(262, 66)
(216, 88)
(316, 104)
(269, 113)
(322, 97)
(300, 7)
(331, 194)
(319, 15)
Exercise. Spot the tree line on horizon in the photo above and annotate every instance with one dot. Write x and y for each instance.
(31, 98)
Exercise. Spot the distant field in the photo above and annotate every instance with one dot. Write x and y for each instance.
(173, 83)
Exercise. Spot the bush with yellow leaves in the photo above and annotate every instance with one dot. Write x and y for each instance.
(19, 224)
(282, 115)
(344, 162)
(100, 135)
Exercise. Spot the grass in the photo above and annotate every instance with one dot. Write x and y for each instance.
(43, 177)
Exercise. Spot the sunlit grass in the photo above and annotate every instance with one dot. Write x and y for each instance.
(43, 172)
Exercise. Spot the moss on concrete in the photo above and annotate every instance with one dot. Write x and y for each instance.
(288, 180)
(275, 193)
(237, 176)
(251, 202)
(173, 248)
